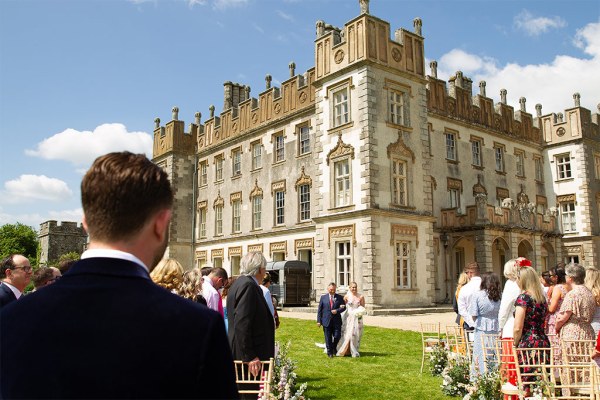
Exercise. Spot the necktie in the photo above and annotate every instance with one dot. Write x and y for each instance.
(330, 301)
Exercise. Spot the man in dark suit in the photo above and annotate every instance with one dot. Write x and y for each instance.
(15, 272)
(329, 315)
(251, 324)
(105, 330)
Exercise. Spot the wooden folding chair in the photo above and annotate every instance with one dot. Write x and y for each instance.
(571, 381)
(531, 365)
(455, 338)
(254, 384)
(508, 368)
(430, 337)
(489, 344)
(595, 380)
(577, 351)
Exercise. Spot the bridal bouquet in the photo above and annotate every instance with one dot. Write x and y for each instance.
(360, 311)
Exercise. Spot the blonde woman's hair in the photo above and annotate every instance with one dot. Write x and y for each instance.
(511, 269)
(592, 282)
(463, 279)
(529, 281)
(168, 274)
(191, 287)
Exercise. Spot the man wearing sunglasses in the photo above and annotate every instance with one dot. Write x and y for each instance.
(15, 273)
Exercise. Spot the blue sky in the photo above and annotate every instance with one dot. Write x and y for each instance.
(82, 78)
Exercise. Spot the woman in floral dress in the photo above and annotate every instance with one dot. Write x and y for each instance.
(530, 316)
(353, 323)
(574, 321)
(530, 312)
(555, 300)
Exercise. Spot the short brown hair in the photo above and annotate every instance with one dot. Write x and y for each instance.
(120, 192)
(472, 266)
(42, 276)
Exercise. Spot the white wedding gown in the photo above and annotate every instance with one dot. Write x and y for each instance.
(352, 328)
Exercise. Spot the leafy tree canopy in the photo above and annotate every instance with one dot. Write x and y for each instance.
(18, 239)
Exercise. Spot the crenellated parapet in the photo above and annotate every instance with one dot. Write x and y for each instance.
(367, 39)
(295, 95)
(64, 228)
(576, 123)
(173, 138)
(456, 101)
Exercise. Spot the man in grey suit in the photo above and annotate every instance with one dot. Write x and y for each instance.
(15, 272)
(251, 324)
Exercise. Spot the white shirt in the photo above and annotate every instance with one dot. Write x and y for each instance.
(268, 299)
(464, 298)
(213, 299)
(16, 291)
(111, 253)
(506, 317)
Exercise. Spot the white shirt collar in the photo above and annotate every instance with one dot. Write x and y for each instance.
(111, 253)
(16, 291)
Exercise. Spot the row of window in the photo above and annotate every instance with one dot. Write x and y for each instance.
(257, 215)
(256, 151)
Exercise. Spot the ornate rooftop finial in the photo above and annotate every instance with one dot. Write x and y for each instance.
(198, 116)
(538, 110)
(212, 110)
(433, 66)
(320, 28)
(268, 80)
(364, 6)
(292, 67)
(560, 117)
(482, 88)
(503, 96)
(459, 79)
(247, 90)
(156, 123)
(175, 113)
(577, 99)
(522, 101)
(598, 107)
(418, 24)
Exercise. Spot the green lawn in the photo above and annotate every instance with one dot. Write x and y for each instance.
(387, 369)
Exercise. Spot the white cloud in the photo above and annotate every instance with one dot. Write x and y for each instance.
(192, 3)
(82, 147)
(535, 26)
(28, 188)
(34, 220)
(285, 16)
(551, 84)
(225, 4)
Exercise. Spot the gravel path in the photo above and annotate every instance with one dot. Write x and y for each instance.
(405, 322)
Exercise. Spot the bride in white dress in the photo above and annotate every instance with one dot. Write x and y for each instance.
(352, 322)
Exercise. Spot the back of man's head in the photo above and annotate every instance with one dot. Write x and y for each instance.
(218, 272)
(120, 192)
(472, 267)
(42, 276)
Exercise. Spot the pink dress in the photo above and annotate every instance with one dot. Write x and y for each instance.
(551, 325)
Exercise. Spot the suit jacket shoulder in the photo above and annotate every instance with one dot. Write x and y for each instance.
(6, 295)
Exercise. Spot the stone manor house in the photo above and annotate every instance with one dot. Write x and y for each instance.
(373, 170)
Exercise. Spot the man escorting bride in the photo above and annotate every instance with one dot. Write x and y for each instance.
(352, 322)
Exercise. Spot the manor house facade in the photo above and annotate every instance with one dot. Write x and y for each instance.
(373, 170)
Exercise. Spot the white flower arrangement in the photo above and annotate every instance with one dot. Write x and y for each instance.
(359, 312)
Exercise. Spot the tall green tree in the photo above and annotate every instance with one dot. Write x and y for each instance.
(18, 239)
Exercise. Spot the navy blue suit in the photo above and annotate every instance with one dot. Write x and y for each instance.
(332, 323)
(6, 295)
(105, 330)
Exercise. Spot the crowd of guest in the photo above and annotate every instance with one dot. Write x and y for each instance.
(533, 311)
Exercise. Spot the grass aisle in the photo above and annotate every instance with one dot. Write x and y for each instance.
(387, 369)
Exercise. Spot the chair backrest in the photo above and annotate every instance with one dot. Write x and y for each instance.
(531, 364)
(504, 349)
(456, 339)
(571, 381)
(577, 351)
(489, 344)
(254, 384)
(431, 334)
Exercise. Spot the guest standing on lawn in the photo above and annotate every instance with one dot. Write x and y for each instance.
(592, 282)
(574, 320)
(559, 291)
(484, 308)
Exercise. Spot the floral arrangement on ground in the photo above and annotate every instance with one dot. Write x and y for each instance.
(456, 376)
(283, 383)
